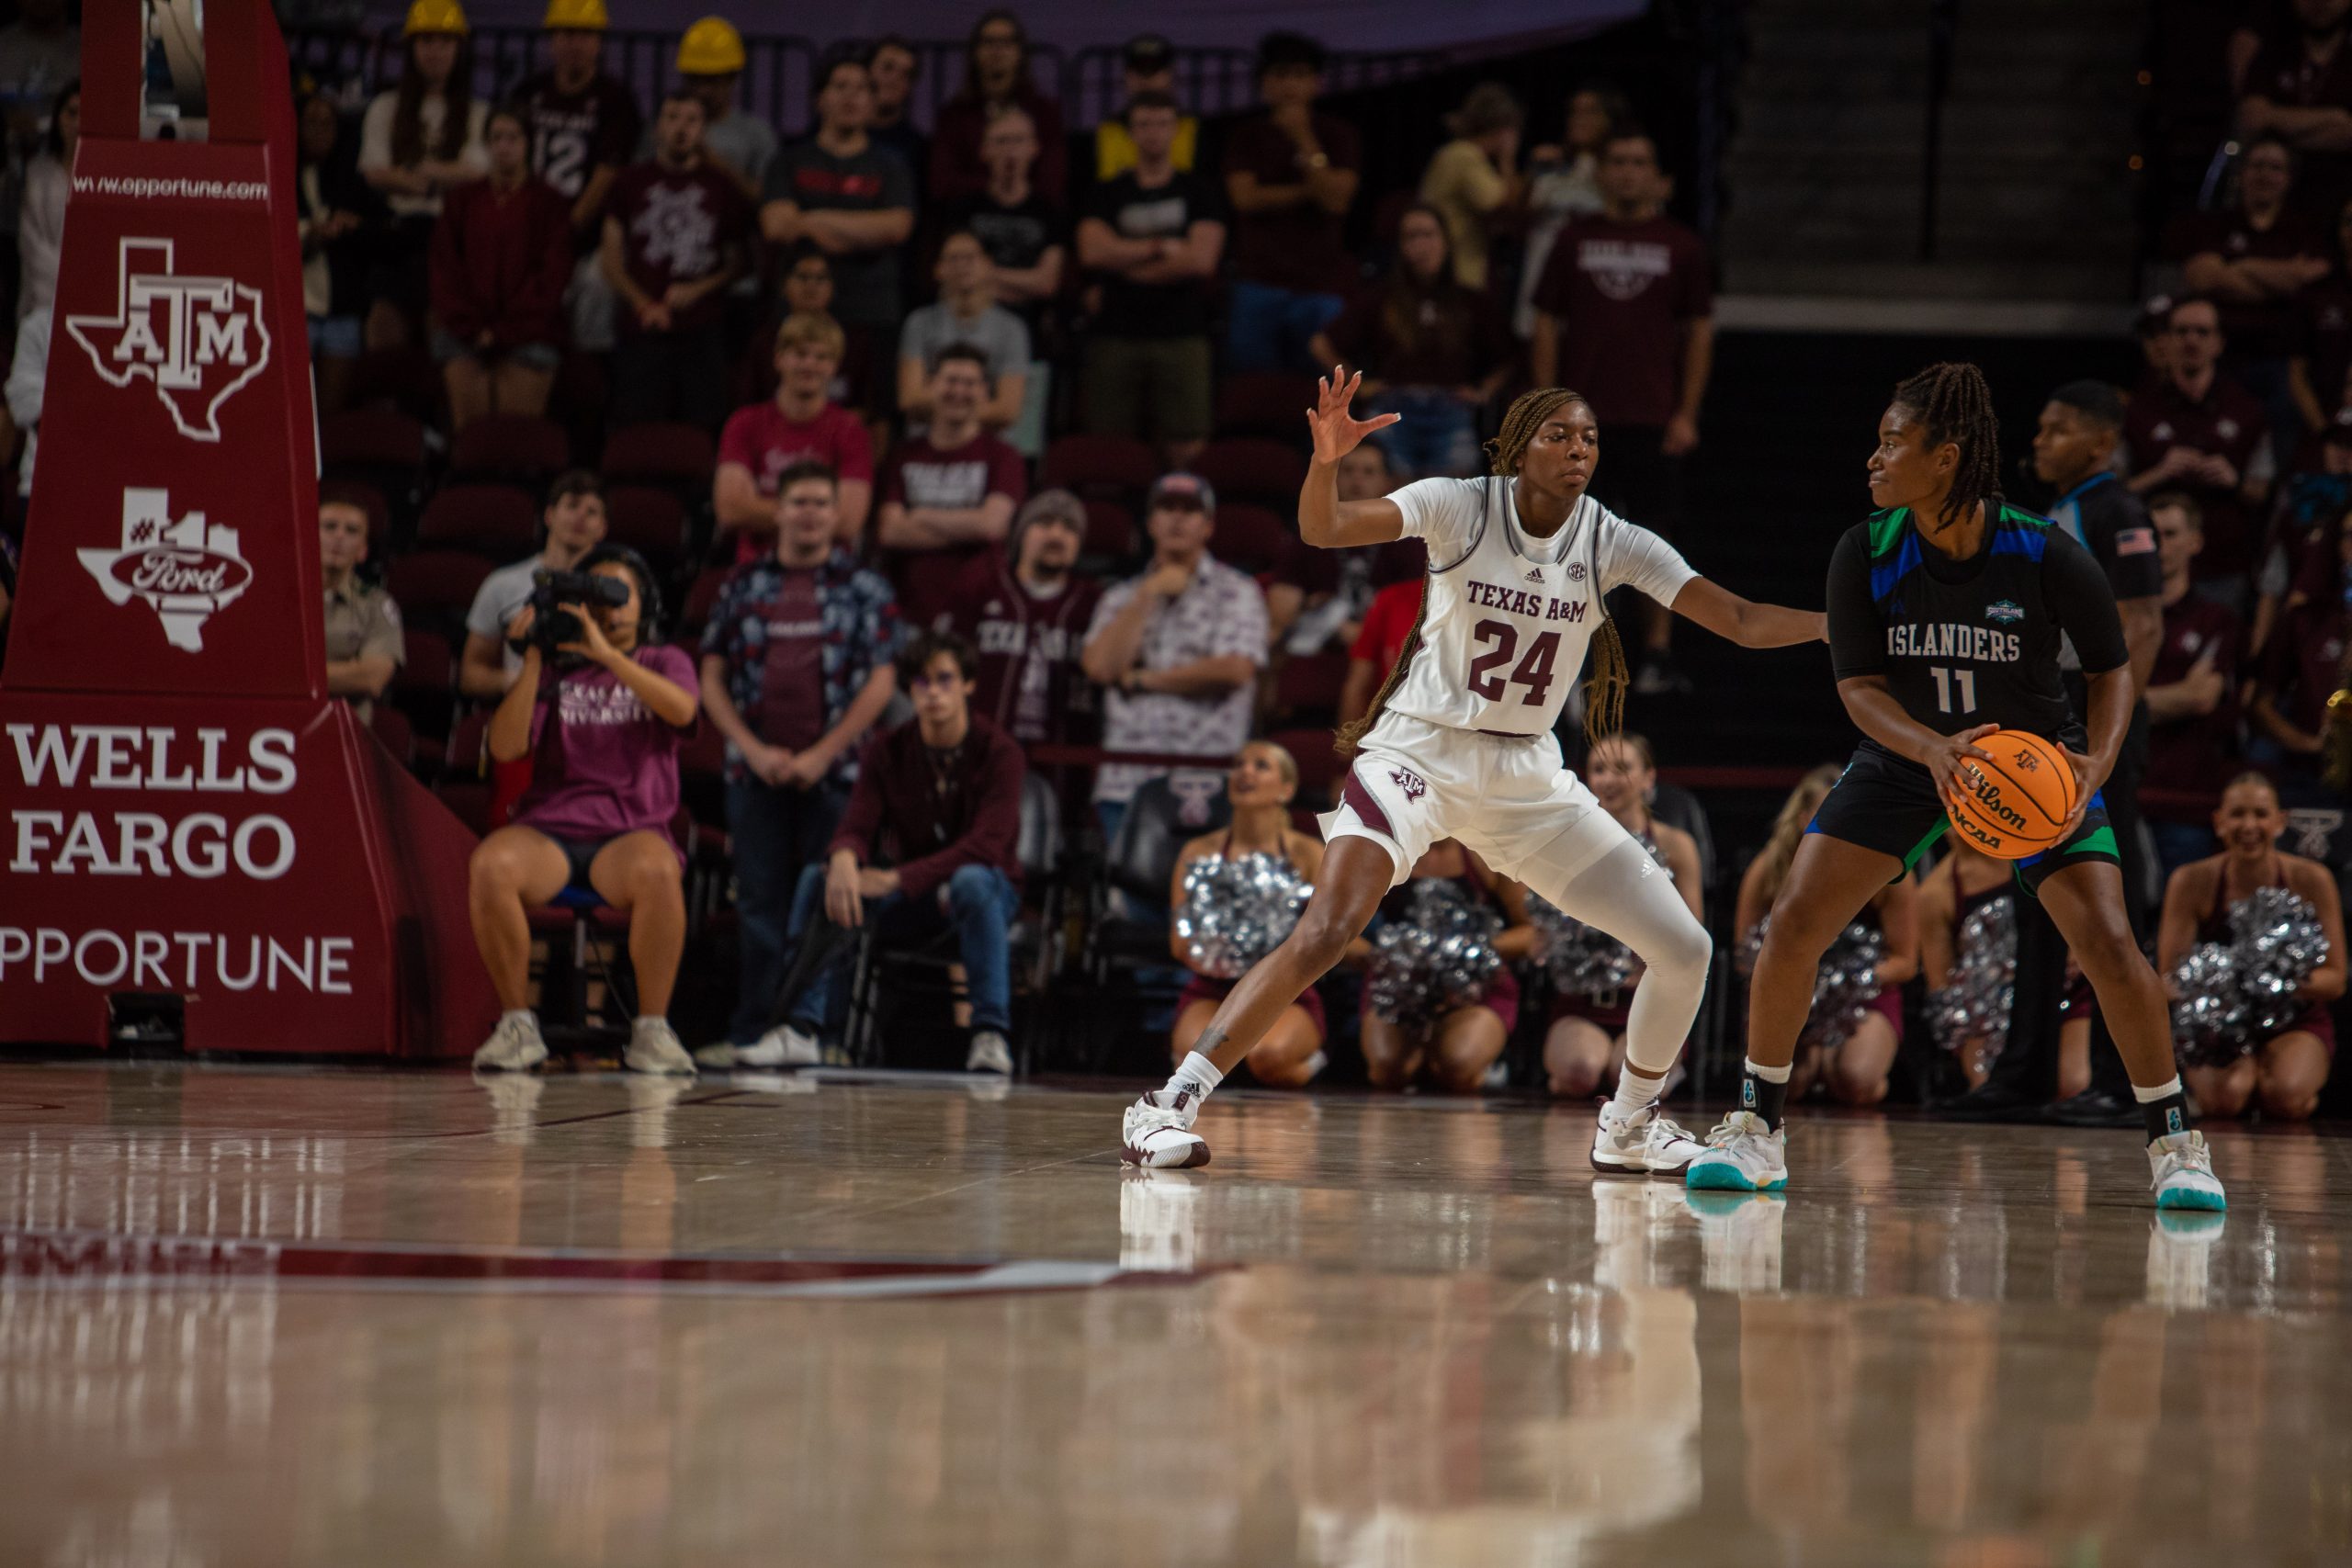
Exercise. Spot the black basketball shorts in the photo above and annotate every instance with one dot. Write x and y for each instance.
(1888, 804)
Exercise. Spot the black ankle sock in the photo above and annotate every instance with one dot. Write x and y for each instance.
(2166, 1116)
(1763, 1097)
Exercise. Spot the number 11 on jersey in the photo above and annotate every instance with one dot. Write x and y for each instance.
(1945, 680)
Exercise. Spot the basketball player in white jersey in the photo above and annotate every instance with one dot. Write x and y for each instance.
(1459, 744)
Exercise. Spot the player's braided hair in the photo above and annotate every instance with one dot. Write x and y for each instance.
(1952, 400)
(1606, 680)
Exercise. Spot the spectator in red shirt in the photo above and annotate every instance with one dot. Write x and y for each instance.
(502, 257)
(2299, 87)
(2192, 712)
(674, 239)
(939, 799)
(2304, 665)
(2197, 430)
(998, 78)
(799, 422)
(1290, 176)
(1027, 614)
(1430, 349)
(955, 487)
(1625, 315)
(1396, 612)
(2252, 262)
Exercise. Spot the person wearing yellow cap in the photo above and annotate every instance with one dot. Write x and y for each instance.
(710, 64)
(415, 142)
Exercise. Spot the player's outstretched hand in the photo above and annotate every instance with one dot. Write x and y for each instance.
(1951, 754)
(1337, 432)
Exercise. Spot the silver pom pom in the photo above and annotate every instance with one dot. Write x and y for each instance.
(1584, 961)
(1236, 909)
(1845, 986)
(2228, 998)
(1972, 1011)
(1440, 956)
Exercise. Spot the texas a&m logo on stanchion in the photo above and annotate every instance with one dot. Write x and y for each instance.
(190, 828)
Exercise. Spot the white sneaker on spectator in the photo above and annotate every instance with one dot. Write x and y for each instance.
(721, 1055)
(783, 1047)
(654, 1048)
(989, 1053)
(514, 1046)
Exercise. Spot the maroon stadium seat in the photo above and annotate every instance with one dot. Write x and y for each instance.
(650, 521)
(1310, 684)
(467, 754)
(1319, 767)
(433, 587)
(1249, 537)
(926, 582)
(661, 453)
(1110, 533)
(496, 521)
(512, 446)
(403, 378)
(427, 666)
(1272, 404)
(1252, 468)
(370, 438)
(702, 597)
(1104, 468)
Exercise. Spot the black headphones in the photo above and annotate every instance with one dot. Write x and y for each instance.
(649, 586)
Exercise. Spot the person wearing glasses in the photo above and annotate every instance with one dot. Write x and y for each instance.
(2195, 429)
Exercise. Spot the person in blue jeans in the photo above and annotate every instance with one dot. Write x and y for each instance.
(796, 670)
(931, 842)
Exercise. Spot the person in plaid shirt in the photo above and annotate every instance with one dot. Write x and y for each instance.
(795, 668)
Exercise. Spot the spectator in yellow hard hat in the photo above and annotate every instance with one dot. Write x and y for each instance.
(583, 124)
(416, 141)
(710, 64)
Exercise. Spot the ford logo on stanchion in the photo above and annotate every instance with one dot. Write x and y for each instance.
(186, 571)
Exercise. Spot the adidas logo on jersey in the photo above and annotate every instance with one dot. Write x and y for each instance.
(1535, 574)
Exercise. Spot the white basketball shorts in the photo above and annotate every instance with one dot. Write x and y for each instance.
(1509, 797)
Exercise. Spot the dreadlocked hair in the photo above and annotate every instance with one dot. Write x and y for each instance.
(1607, 679)
(1952, 400)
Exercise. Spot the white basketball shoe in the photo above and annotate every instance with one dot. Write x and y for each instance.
(1742, 1154)
(2180, 1168)
(1161, 1135)
(1643, 1143)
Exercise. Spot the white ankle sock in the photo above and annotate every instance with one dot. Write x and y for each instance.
(645, 1021)
(1636, 1093)
(1770, 1074)
(2162, 1091)
(519, 1015)
(1195, 1075)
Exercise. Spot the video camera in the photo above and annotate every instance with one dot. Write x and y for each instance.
(551, 625)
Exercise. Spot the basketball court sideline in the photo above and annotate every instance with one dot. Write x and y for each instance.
(258, 1314)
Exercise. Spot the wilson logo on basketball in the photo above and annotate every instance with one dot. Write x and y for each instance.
(1988, 795)
(1409, 782)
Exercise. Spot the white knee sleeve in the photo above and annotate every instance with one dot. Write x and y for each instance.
(1633, 898)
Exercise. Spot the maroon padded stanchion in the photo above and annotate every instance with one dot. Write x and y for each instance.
(183, 809)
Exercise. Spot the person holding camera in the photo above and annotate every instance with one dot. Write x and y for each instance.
(796, 669)
(602, 710)
(573, 524)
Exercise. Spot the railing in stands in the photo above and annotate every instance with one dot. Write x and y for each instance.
(780, 74)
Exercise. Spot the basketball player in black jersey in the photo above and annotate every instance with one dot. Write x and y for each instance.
(1947, 610)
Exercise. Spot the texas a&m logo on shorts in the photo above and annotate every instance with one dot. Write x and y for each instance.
(1409, 782)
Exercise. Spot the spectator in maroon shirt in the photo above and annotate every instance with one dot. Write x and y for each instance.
(2303, 666)
(1625, 315)
(998, 78)
(1026, 612)
(1430, 349)
(955, 488)
(674, 239)
(2253, 261)
(2192, 709)
(502, 257)
(2322, 355)
(1290, 176)
(2299, 87)
(800, 423)
(932, 840)
(2197, 430)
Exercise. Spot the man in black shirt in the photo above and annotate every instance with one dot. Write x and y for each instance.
(1947, 610)
(1152, 237)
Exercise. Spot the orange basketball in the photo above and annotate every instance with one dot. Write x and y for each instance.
(2017, 802)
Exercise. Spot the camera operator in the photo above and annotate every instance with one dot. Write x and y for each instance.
(603, 716)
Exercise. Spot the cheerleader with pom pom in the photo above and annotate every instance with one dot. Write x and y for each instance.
(1586, 1043)
(1851, 1056)
(1428, 1023)
(2278, 1063)
(1248, 883)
